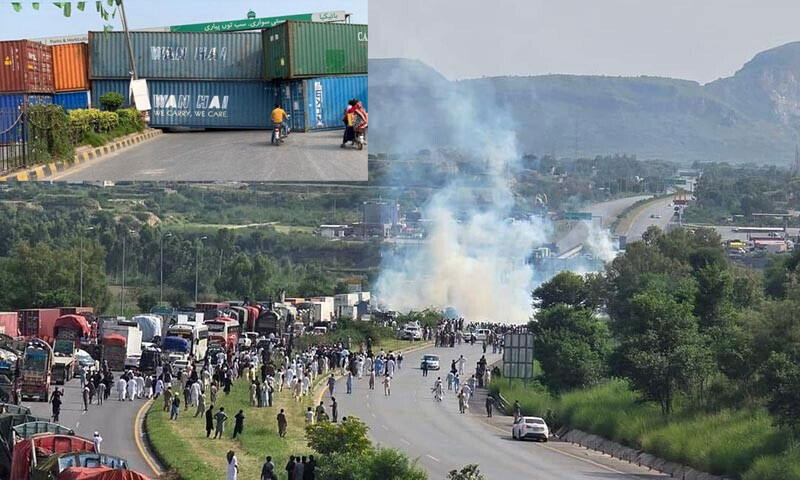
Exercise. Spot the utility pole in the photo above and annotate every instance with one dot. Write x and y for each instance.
(122, 292)
(127, 33)
(161, 297)
(196, 267)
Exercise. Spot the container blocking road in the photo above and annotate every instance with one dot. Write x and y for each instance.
(245, 155)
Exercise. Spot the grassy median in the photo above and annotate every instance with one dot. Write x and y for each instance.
(740, 443)
(183, 447)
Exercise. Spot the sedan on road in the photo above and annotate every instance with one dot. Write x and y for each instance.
(132, 361)
(530, 427)
(432, 362)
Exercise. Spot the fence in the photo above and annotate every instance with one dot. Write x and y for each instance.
(16, 132)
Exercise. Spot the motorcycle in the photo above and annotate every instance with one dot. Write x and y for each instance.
(361, 139)
(279, 134)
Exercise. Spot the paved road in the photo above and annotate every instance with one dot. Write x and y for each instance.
(607, 210)
(661, 208)
(114, 421)
(443, 439)
(227, 156)
(728, 233)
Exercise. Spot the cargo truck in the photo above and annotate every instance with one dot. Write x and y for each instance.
(120, 340)
(38, 322)
(70, 330)
(37, 369)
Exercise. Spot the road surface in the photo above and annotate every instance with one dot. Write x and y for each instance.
(661, 209)
(607, 210)
(443, 440)
(729, 233)
(114, 421)
(228, 156)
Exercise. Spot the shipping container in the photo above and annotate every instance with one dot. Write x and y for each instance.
(12, 110)
(9, 323)
(75, 310)
(27, 67)
(71, 67)
(202, 104)
(309, 49)
(177, 55)
(38, 322)
(73, 100)
(319, 103)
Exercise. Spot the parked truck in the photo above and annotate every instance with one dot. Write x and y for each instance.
(37, 368)
(121, 340)
(70, 330)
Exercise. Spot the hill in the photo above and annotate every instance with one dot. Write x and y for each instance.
(752, 116)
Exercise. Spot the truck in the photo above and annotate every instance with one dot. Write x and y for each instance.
(9, 370)
(270, 322)
(70, 330)
(120, 340)
(37, 368)
(38, 322)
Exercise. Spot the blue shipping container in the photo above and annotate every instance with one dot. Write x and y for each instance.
(12, 105)
(202, 104)
(177, 55)
(319, 103)
(72, 100)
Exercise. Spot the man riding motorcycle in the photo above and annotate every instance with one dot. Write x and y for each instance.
(360, 123)
(279, 117)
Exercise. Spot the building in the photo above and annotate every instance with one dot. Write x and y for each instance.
(335, 231)
(383, 212)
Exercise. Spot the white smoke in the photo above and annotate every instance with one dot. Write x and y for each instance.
(600, 244)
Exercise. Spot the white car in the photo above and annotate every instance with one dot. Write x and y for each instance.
(431, 360)
(481, 334)
(530, 427)
(411, 333)
(132, 361)
(248, 340)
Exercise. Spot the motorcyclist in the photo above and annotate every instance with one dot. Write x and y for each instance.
(349, 120)
(279, 117)
(360, 123)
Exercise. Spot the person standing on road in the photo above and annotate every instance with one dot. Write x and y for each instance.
(101, 392)
(489, 405)
(97, 439)
(424, 369)
(268, 470)
(121, 385)
(131, 389)
(209, 420)
(517, 411)
(331, 384)
(400, 361)
(462, 363)
(233, 466)
(82, 375)
(238, 426)
(387, 386)
(462, 403)
(85, 398)
(334, 410)
(221, 416)
(349, 383)
(281, 424)
(55, 399)
(371, 379)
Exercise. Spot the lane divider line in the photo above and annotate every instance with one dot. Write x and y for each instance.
(137, 437)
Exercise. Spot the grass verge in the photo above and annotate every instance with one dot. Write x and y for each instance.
(740, 443)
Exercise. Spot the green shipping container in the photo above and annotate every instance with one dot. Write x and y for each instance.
(309, 49)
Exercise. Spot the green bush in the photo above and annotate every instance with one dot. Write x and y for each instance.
(130, 120)
(112, 101)
(49, 133)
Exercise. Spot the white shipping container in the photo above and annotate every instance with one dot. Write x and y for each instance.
(133, 336)
(363, 296)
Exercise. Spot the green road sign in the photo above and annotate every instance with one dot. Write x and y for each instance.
(258, 23)
(577, 216)
(675, 181)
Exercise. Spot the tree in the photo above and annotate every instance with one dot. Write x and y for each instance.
(146, 300)
(661, 351)
(112, 101)
(572, 346)
(566, 287)
(782, 375)
(469, 472)
(345, 437)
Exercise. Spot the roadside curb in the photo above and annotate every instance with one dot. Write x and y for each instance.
(43, 171)
(142, 440)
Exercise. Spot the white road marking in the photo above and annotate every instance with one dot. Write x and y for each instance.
(405, 441)
(432, 458)
(384, 427)
(77, 424)
(373, 415)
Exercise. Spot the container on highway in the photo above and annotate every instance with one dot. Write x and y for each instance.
(73, 100)
(309, 49)
(202, 104)
(9, 323)
(26, 67)
(12, 114)
(38, 322)
(319, 103)
(177, 55)
(71, 67)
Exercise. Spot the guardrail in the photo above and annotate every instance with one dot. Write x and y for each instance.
(501, 401)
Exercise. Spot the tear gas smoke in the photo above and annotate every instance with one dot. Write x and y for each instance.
(476, 257)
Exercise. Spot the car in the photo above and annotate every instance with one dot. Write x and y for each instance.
(411, 333)
(480, 334)
(320, 330)
(248, 340)
(530, 427)
(180, 365)
(132, 361)
(85, 360)
(431, 360)
(655, 215)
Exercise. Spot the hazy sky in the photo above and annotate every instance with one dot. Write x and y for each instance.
(692, 39)
(49, 20)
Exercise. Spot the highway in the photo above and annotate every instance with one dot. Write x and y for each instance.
(442, 439)
(114, 421)
(228, 156)
(607, 210)
(661, 209)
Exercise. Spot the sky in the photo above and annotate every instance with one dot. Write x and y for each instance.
(49, 21)
(699, 40)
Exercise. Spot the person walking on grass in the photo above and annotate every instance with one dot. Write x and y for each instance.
(238, 427)
(309, 417)
(319, 412)
(221, 416)
(176, 406)
(209, 420)
(268, 470)
(290, 468)
(233, 466)
(282, 424)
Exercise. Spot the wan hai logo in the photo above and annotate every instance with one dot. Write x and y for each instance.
(211, 106)
(179, 53)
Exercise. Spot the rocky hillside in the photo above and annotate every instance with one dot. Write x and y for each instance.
(752, 116)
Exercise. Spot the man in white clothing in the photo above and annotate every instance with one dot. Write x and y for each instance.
(121, 385)
(462, 363)
(131, 389)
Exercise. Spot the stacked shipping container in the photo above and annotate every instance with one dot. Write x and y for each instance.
(71, 71)
(26, 76)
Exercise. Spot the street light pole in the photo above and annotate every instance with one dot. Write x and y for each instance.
(81, 293)
(122, 292)
(196, 266)
(161, 298)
